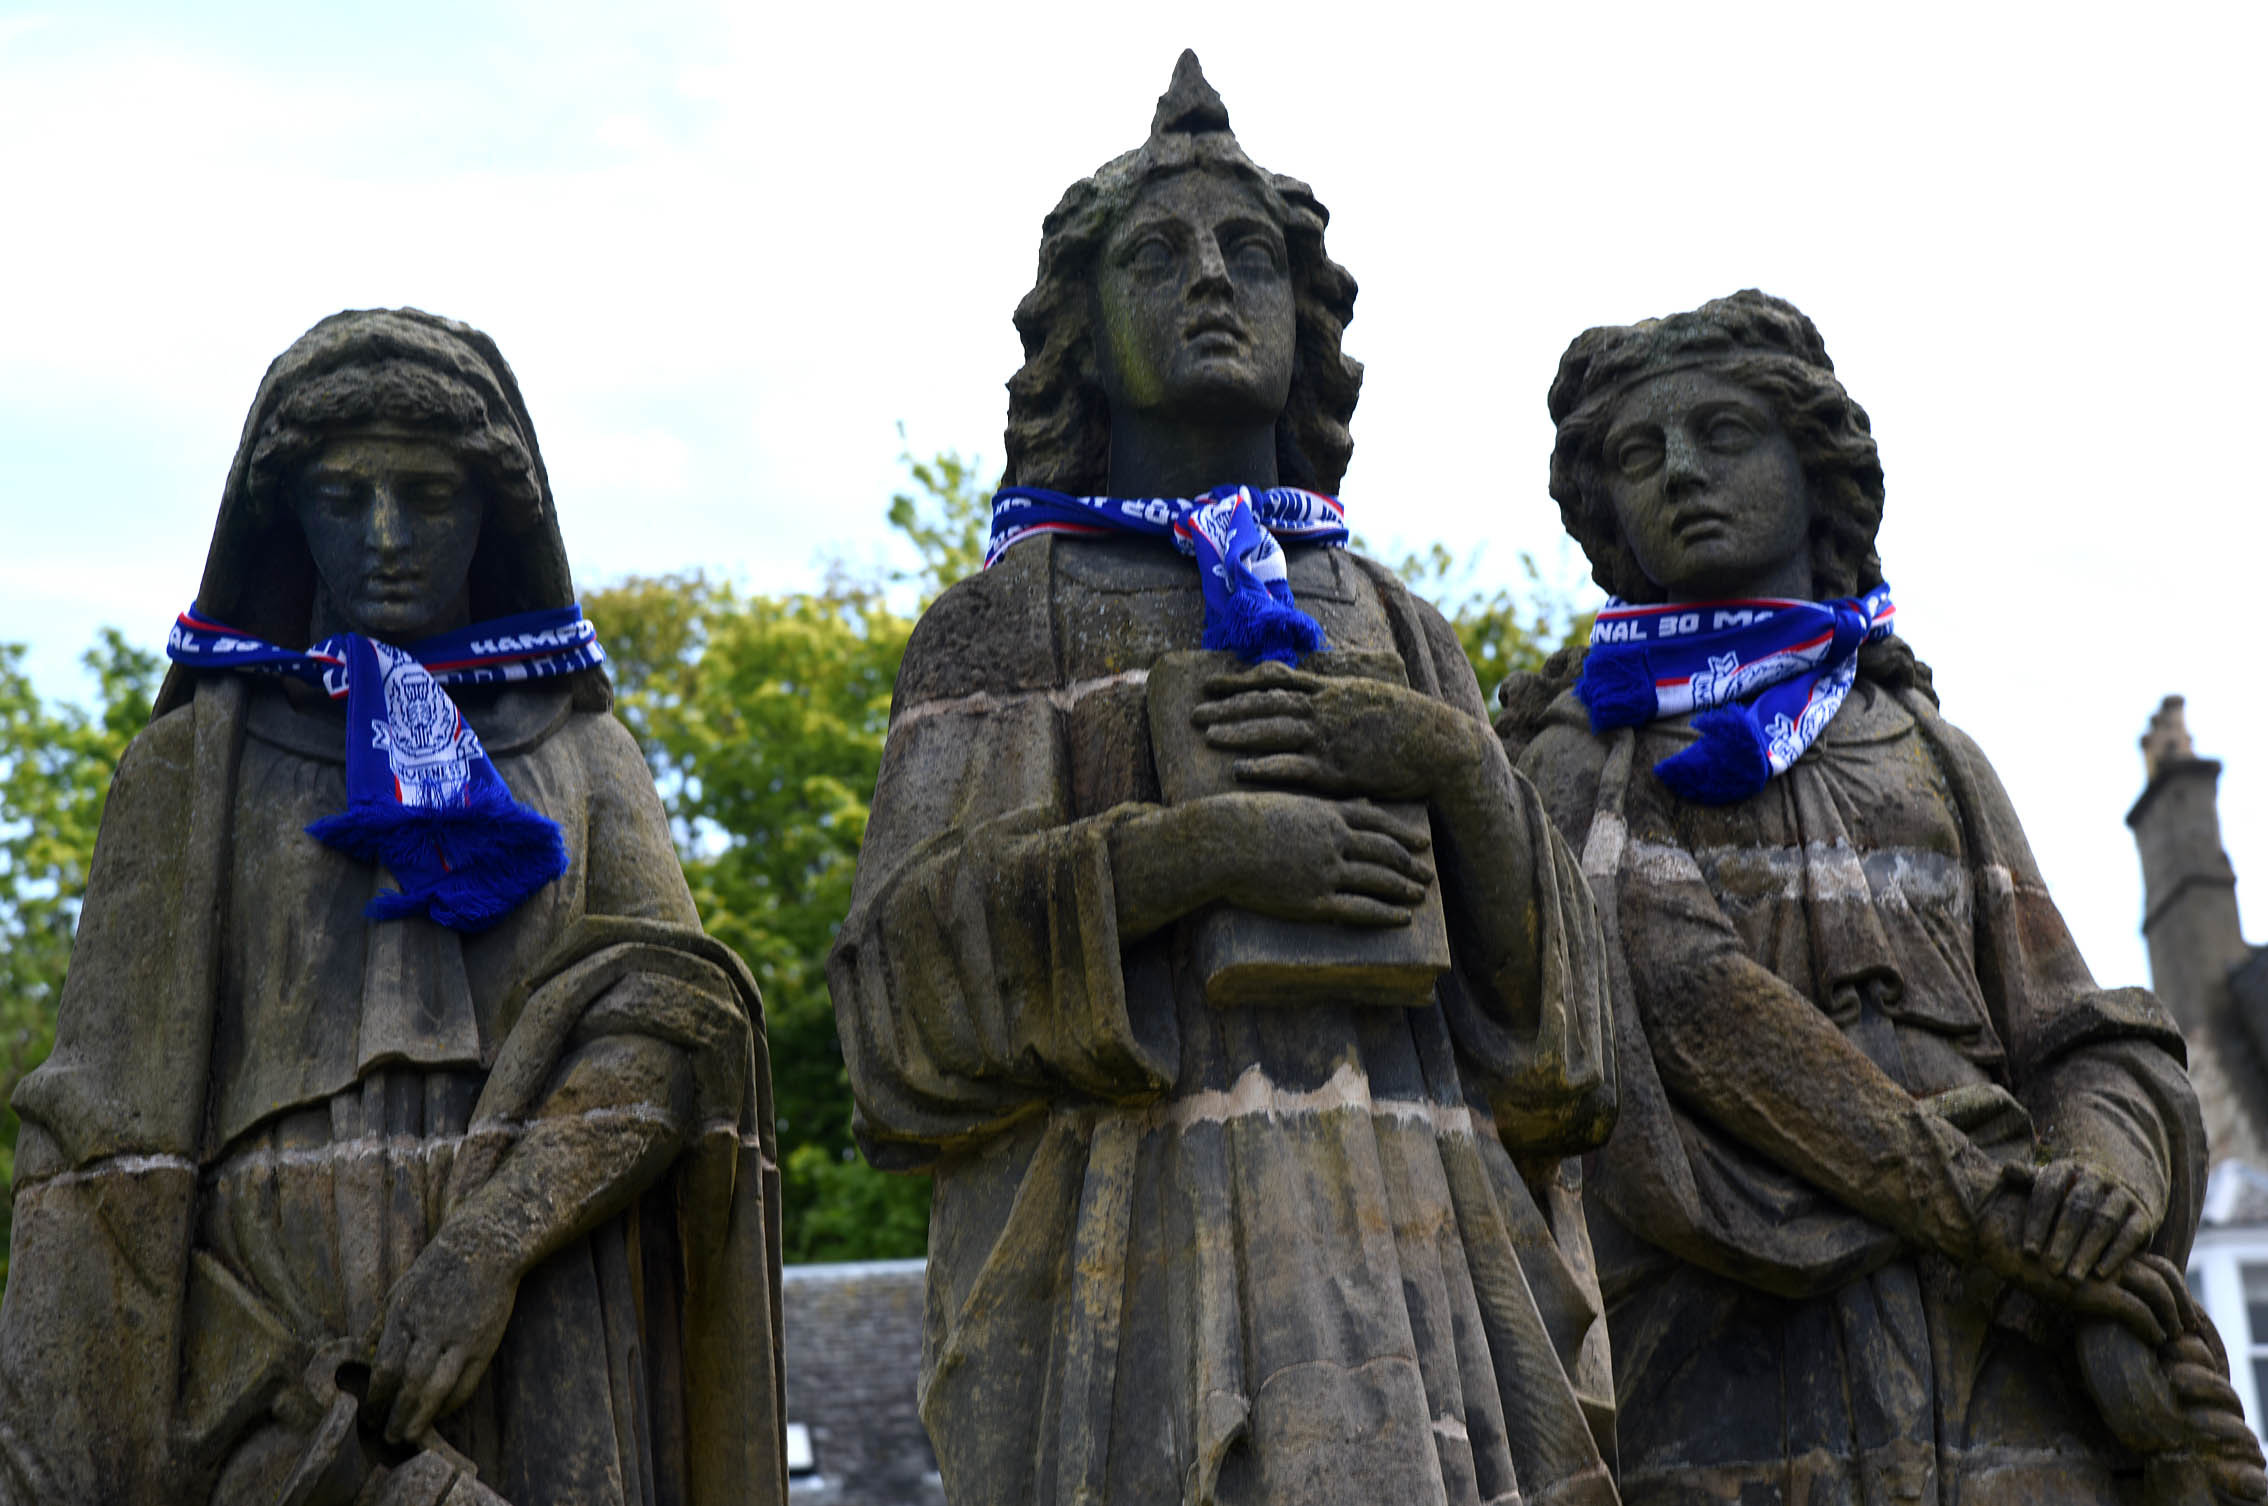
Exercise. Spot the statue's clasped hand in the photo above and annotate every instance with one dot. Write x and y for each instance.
(1340, 862)
(1334, 734)
(2080, 1223)
(2069, 1233)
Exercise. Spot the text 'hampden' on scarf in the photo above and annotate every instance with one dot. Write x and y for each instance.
(1767, 675)
(1230, 530)
(422, 797)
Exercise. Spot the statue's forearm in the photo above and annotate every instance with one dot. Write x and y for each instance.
(1731, 1039)
(2096, 1106)
(609, 1128)
(1156, 873)
(1485, 842)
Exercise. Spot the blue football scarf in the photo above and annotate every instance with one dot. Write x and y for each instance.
(1231, 531)
(1767, 676)
(422, 796)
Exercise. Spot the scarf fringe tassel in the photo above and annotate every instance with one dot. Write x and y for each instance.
(1617, 690)
(1263, 625)
(1728, 765)
(465, 866)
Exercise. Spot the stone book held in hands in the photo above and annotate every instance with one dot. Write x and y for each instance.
(1244, 957)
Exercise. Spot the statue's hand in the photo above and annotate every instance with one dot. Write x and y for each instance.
(1300, 858)
(1337, 734)
(2130, 1296)
(443, 1323)
(2083, 1224)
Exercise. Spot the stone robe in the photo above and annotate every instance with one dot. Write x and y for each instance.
(262, 1105)
(1180, 1253)
(1849, 1002)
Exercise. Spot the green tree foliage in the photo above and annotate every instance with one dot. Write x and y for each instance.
(946, 518)
(55, 768)
(1504, 628)
(763, 718)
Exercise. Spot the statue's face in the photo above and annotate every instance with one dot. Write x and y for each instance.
(1708, 489)
(1194, 298)
(392, 521)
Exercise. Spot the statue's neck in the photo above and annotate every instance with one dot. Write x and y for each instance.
(1156, 458)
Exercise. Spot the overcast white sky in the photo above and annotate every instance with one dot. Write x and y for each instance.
(728, 248)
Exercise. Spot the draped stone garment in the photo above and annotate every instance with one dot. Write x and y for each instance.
(360, 1080)
(1850, 1001)
(1187, 1254)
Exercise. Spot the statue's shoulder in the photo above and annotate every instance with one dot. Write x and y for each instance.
(160, 752)
(167, 735)
(990, 632)
(603, 741)
(1547, 732)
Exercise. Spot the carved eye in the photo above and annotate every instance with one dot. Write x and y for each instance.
(1152, 257)
(1728, 433)
(1638, 456)
(1253, 256)
(338, 493)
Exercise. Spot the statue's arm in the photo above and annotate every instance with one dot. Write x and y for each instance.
(1531, 1004)
(980, 972)
(1740, 1047)
(616, 1117)
(2100, 1069)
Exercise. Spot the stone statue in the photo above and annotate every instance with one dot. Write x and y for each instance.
(1898, 1200)
(474, 1202)
(1198, 1235)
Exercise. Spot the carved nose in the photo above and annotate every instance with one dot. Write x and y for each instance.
(1681, 465)
(388, 525)
(1212, 268)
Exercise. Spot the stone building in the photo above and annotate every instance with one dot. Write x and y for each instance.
(853, 1339)
(2217, 987)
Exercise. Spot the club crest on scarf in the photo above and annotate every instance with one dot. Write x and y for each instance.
(427, 744)
(1231, 531)
(423, 799)
(1764, 676)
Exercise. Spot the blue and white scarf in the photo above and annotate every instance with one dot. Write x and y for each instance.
(1232, 532)
(422, 796)
(1767, 676)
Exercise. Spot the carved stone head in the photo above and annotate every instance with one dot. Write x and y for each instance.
(393, 398)
(1749, 363)
(1190, 173)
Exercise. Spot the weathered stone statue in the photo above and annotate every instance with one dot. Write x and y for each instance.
(1242, 1194)
(425, 1155)
(1898, 1199)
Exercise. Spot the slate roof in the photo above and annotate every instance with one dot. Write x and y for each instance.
(853, 1337)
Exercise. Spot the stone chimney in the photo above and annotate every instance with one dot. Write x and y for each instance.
(2189, 908)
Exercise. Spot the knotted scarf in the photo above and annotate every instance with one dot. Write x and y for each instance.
(1766, 675)
(422, 797)
(1231, 531)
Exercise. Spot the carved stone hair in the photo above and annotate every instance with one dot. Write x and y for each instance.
(1058, 419)
(1759, 342)
(397, 392)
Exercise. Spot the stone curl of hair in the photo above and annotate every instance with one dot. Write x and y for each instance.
(403, 394)
(1058, 419)
(1772, 348)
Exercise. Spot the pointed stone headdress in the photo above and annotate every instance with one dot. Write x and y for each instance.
(1190, 106)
